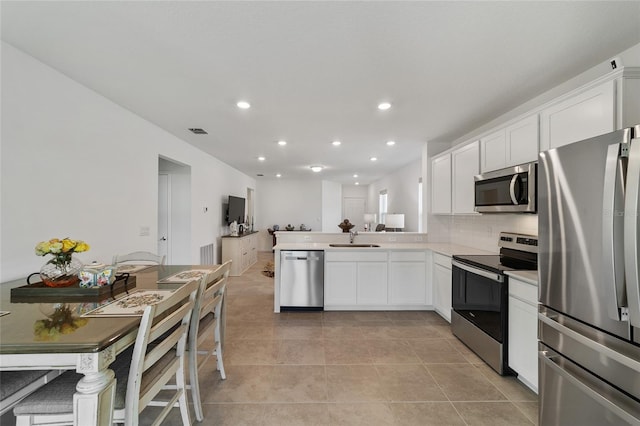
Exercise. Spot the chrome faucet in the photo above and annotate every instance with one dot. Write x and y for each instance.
(352, 235)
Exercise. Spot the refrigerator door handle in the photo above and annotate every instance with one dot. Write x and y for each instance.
(613, 232)
(591, 344)
(548, 357)
(631, 235)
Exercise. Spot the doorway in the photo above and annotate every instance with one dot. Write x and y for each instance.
(353, 208)
(174, 211)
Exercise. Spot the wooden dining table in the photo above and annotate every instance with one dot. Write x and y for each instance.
(88, 347)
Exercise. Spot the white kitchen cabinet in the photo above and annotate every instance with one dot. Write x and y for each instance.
(408, 278)
(340, 283)
(355, 278)
(241, 250)
(522, 141)
(441, 184)
(465, 165)
(442, 285)
(584, 115)
(371, 283)
(493, 151)
(523, 329)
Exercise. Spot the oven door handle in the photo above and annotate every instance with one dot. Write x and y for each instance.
(487, 274)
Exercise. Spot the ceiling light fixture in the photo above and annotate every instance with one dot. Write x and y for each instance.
(243, 105)
(355, 175)
(357, 183)
(278, 175)
(282, 143)
(373, 159)
(391, 143)
(383, 106)
(316, 169)
(336, 143)
(261, 158)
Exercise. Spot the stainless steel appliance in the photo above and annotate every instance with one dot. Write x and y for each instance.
(510, 190)
(302, 280)
(589, 318)
(479, 295)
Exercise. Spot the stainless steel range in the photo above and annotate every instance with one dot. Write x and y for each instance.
(479, 296)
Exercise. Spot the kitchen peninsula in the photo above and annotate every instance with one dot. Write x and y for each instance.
(378, 271)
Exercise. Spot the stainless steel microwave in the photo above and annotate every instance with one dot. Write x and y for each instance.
(510, 190)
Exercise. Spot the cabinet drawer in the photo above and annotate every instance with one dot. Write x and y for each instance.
(441, 259)
(355, 256)
(526, 292)
(407, 256)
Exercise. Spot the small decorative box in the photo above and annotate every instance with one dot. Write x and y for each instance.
(97, 275)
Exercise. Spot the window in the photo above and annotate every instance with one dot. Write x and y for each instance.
(382, 205)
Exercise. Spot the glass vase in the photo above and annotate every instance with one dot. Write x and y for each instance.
(61, 271)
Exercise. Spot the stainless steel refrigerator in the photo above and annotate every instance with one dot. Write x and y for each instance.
(589, 316)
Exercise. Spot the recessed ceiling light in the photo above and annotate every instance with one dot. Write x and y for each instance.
(243, 105)
(355, 176)
(373, 159)
(278, 175)
(336, 143)
(391, 143)
(261, 158)
(282, 143)
(357, 183)
(316, 169)
(383, 106)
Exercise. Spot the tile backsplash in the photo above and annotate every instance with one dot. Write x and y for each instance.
(479, 231)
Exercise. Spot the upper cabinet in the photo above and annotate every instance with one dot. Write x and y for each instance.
(465, 165)
(510, 146)
(607, 104)
(584, 115)
(441, 184)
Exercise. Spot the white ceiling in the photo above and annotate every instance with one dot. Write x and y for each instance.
(315, 71)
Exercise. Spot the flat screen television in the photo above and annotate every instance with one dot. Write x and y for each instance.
(236, 209)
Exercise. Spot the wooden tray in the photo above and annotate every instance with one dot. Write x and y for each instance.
(40, 293)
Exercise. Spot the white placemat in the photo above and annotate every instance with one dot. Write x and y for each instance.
(185, 276)
(131, 305)
(131, 269)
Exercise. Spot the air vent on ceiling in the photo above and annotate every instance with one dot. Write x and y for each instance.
(198, 131)
(260, 175)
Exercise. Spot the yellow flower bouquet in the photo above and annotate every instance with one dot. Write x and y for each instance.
(62, 269)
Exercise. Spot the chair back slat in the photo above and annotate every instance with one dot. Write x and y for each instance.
(175, 310)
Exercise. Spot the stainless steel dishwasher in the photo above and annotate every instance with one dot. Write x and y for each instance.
(302, 280)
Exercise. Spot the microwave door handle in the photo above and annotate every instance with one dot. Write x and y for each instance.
(512, 189)
(613, 233)
(631, 218)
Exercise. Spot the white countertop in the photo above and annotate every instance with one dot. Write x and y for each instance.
(529, 277)
(442, 248)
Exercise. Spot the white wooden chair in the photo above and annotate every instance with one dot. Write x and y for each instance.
(141, 371)
(138, 257)
(206, 319)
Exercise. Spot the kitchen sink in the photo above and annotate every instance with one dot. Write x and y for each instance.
(353, 245)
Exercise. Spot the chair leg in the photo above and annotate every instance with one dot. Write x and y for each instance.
(195, 385)
(220, 364)
(182, 400)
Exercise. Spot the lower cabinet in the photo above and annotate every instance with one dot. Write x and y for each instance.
(241, 250)
(442, 285)
(376, 280)
(523, 329)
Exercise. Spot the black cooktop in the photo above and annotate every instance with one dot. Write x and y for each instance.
(496, 263)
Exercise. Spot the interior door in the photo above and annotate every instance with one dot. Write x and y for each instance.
(164, 214)
(353, 209)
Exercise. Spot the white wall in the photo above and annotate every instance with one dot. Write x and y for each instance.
(74, 164)
(402, 194)
(331, 205)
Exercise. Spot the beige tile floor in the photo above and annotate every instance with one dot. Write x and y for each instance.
(351, 368)
(348, 368)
